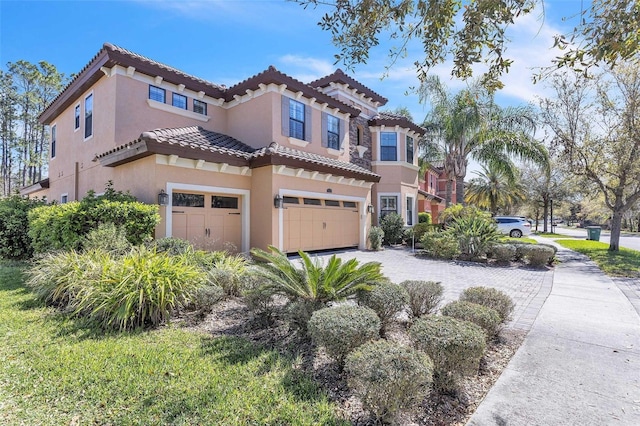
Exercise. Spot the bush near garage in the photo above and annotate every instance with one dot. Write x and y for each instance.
(392, 225)
(424, 296)
(343, 328)
(376, 237)
(454, 346)
(491, 298)
(64, 226)
(388, 378)
(487, 318)
(386, 299)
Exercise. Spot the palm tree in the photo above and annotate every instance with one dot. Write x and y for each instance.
(494, 190)
(470, 125)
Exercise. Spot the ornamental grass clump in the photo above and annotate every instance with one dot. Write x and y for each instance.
(341, 329)
(228, 272)
(491, 298)
(386, 299)
(487, 318)
(424, 296)
(454, 346)
(388, 378)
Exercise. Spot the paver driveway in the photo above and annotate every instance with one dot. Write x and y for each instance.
(527, 287)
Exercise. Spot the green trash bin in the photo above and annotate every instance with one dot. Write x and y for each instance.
(593, 233)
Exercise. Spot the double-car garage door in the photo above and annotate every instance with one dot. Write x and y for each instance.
(317, 224)
(208, 221)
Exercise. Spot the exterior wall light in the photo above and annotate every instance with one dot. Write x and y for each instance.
(371, 209)
(163, 198)
(278, 202)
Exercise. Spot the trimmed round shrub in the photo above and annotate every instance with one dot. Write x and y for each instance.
(424, 296)
(537, 255)
(440, 245)
(388, 378)
(386, 299)
(376, 236)
(487, 318)
(392, 225)
(424, 217)
(455, 347)
(341, 329)
(298, 313)
(206, 296)
(491, 298)
(520, 249)
(258, 297)
(503, 253)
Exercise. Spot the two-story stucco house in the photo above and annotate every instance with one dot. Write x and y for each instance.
(270, 160)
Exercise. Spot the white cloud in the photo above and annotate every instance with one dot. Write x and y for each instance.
(305, 69)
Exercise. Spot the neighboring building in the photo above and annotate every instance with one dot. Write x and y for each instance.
(270, 160)
(433, 191)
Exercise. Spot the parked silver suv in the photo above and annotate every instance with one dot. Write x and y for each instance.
(513, 226)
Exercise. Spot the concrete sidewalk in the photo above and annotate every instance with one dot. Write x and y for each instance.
(580, 362)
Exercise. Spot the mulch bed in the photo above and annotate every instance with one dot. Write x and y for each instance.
(232, 318)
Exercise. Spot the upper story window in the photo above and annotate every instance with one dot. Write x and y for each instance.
(388, 146)
(76, 114)
(88, 116)
(199, 107)
(64, 199)
(179, 101)
(53, 141)
(333, 132)
(157, 94)
(296, 119)
(409, 149)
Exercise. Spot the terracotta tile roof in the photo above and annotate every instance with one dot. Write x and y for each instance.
(391, 119)
(196, 137)
(338, 76)
(198, 143)
(272, 75)
(111, 55)
(276, 150)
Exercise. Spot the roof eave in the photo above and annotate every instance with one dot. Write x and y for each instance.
(280, 160)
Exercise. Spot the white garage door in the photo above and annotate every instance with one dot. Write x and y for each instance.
(317, 224)
(209, 221)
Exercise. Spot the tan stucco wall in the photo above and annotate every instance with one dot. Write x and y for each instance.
(254, 122)
(134, 115)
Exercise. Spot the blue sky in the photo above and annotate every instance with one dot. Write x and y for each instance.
(226, 41)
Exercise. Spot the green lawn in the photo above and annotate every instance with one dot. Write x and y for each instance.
(57, 371)
(625, 263)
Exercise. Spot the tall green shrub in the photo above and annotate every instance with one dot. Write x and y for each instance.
(424, 296)
(376, 237)
(64, 226)
(424, 217)
(491, 298)
(393, 226)
(15, 242)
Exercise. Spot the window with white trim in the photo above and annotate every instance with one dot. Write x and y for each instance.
(409, 210)
(64, 198)
(333, 132)
(388, 204)
(157, 94)
(199, 107)
(88, 116)
(409, 143)
(296, 119)
(179, 101)
(388, 146)
(76, 114)
(53, 141)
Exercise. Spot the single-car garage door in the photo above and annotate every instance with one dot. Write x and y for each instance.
(317, 224)
(208, 221)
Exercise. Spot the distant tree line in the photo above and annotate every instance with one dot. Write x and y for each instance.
(25, 91)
